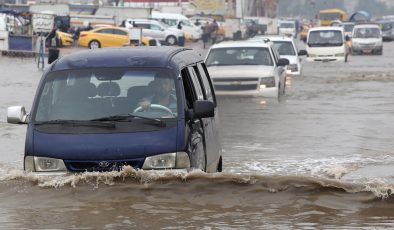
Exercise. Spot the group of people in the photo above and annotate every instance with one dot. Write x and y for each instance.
(210, 31)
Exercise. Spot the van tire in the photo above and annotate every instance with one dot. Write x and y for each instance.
(171, 40)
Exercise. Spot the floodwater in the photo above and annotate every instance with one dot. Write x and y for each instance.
(322, 157)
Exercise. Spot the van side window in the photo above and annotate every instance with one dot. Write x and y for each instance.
(196, 83)
(205, 70)
(190, 94)
(205, 82)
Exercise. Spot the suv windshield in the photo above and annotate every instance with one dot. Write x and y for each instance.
(239, 56)
(89, 94)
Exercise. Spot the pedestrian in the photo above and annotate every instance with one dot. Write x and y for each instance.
(206, 35)
(214, 27)
(179, 25)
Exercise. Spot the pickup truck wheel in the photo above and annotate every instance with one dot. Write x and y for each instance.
(171, 40)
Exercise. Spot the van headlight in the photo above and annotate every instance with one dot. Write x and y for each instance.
(340, 55)
(267, 82)
(312, 55)
(178, 160)
(44, 164)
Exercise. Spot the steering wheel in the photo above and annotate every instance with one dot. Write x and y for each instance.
(162, 108)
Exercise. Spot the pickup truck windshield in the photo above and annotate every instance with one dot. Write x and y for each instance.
(91, 94)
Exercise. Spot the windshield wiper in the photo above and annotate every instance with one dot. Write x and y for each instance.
(128, 117)
(77, 123)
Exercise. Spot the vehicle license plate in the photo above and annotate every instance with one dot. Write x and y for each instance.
(367, 51)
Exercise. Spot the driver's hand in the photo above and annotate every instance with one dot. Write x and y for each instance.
(145, 104)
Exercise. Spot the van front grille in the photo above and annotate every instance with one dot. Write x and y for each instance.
(101, 166)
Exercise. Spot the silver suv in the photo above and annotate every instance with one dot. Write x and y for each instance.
(247, 68)
(157, 30)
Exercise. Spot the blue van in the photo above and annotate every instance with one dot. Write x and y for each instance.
(151, 108)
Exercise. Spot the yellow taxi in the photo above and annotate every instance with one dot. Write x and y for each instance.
(104, 37)
(188, 36)
(65, 39)
(304, 32)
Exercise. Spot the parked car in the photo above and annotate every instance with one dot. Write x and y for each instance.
(152, 108)
(104, 37)
(192, 32)
(286, 49)
(246, 68)
(65, 39)
(367, 39)
(158, 30)
(387, 29)
(327, 43)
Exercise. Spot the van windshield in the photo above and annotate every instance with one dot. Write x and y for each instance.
(239, 56)
(366, 33)
(88, 94)
(325, 38)
(287, 25)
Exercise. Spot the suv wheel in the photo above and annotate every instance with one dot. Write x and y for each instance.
(171, 40)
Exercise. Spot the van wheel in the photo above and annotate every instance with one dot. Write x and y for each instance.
(171, 40)
(94, 44)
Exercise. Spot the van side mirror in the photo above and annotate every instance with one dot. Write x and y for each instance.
(283, 62)
(302, 53)
(16, 115)
(203, 109)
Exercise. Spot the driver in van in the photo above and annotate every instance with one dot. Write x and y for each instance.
(162, 87)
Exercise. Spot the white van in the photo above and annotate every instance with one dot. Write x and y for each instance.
(3, 22)
(288, 28)
(326, 44)
(173, 20)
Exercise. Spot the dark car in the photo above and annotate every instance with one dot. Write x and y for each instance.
(99, 110)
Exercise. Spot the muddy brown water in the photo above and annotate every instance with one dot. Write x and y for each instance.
(321, 158)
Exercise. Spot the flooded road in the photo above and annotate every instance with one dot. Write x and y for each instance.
(322, 157)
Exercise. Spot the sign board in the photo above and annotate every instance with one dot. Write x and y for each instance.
(43, 23)
(216, 7)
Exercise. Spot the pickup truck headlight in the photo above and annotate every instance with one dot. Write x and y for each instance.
(178, 160)
(44, 164)
(267, 82)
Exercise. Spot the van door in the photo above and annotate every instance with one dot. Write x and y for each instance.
(194, 129)
(213, 147)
